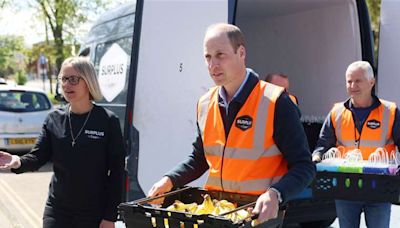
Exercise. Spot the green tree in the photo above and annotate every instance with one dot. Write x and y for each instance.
(12, 50)
(374, 8)
(20, 78)
(3, 3)
(64, 15)
(63, 18)
(49, 49)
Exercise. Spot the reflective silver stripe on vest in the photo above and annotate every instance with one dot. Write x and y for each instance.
(338, 120)
(243, 186)
(385, 121)
(248, 154)
(203, 103)
(368, 143)
(262, 116)
(259, 131)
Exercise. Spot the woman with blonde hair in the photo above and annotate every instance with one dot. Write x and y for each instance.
(84, 142)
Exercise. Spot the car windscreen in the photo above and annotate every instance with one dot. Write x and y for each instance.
(23, 101)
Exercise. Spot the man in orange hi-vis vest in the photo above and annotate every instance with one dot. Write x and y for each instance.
(362, 122)
(250, 138)
(281, 80)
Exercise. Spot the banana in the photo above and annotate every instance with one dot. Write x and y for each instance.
(181, 207)
(243, 214)
(211, 206)
(207, 207)
(176, 206)
(191, 207)
(227, 204)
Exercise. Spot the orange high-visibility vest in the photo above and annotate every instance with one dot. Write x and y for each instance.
(294, 99)
(376, 131)
(247, 161)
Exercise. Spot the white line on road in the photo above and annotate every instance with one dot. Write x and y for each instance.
(22, 208)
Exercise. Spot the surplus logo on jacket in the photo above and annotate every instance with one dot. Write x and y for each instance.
(373, 124)
(93, 134)
(244, 122)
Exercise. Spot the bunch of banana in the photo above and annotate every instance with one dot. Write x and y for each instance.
(181, 207)
(209, 206)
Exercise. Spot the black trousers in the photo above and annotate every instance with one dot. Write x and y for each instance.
(56, 218)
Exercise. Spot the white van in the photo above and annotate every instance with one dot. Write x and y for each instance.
(149, 57)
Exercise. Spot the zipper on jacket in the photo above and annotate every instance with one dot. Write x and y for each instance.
(222, 167)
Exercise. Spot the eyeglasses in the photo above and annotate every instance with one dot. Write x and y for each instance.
(73, 79)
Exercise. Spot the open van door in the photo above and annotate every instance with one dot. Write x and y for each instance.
(388, 79)
(168, 75)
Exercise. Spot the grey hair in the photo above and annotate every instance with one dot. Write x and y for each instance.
(86, 70)
(364, 66)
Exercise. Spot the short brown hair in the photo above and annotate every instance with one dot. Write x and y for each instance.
(233, 32)
(268, 77)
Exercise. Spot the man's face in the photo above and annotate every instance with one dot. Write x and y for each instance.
(224, 65)
(280, 81)
(358, 86)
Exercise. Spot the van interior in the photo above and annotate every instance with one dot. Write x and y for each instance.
(282, 36)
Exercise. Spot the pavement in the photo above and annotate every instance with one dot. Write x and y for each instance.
(23, 198)
(42, 85)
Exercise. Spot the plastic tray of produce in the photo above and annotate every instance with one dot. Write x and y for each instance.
(194, 207)
(357, 187)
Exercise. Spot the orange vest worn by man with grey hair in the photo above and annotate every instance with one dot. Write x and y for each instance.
(376, 132)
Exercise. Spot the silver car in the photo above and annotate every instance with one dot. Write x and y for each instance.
(22, 113)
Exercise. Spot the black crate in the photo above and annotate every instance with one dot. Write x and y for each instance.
(357, 187)
(309, 210)
(143, 216)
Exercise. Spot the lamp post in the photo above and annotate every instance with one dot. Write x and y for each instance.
(42, 69)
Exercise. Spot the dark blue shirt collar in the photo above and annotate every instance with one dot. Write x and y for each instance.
(247, 86)
(374, 105)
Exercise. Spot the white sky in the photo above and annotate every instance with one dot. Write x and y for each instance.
(23, 22)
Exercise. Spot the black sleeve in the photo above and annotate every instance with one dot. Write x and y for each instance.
(116, 161)
(396, 129)
(193, 167)
(291, 140)
(40, 153)
(327, 137)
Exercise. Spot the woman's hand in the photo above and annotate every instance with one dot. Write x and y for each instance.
(106, 224)
(8, 161)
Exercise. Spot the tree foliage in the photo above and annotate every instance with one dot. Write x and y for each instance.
(63, 17)
(12, 50)
(374, 8)
(3, 3)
